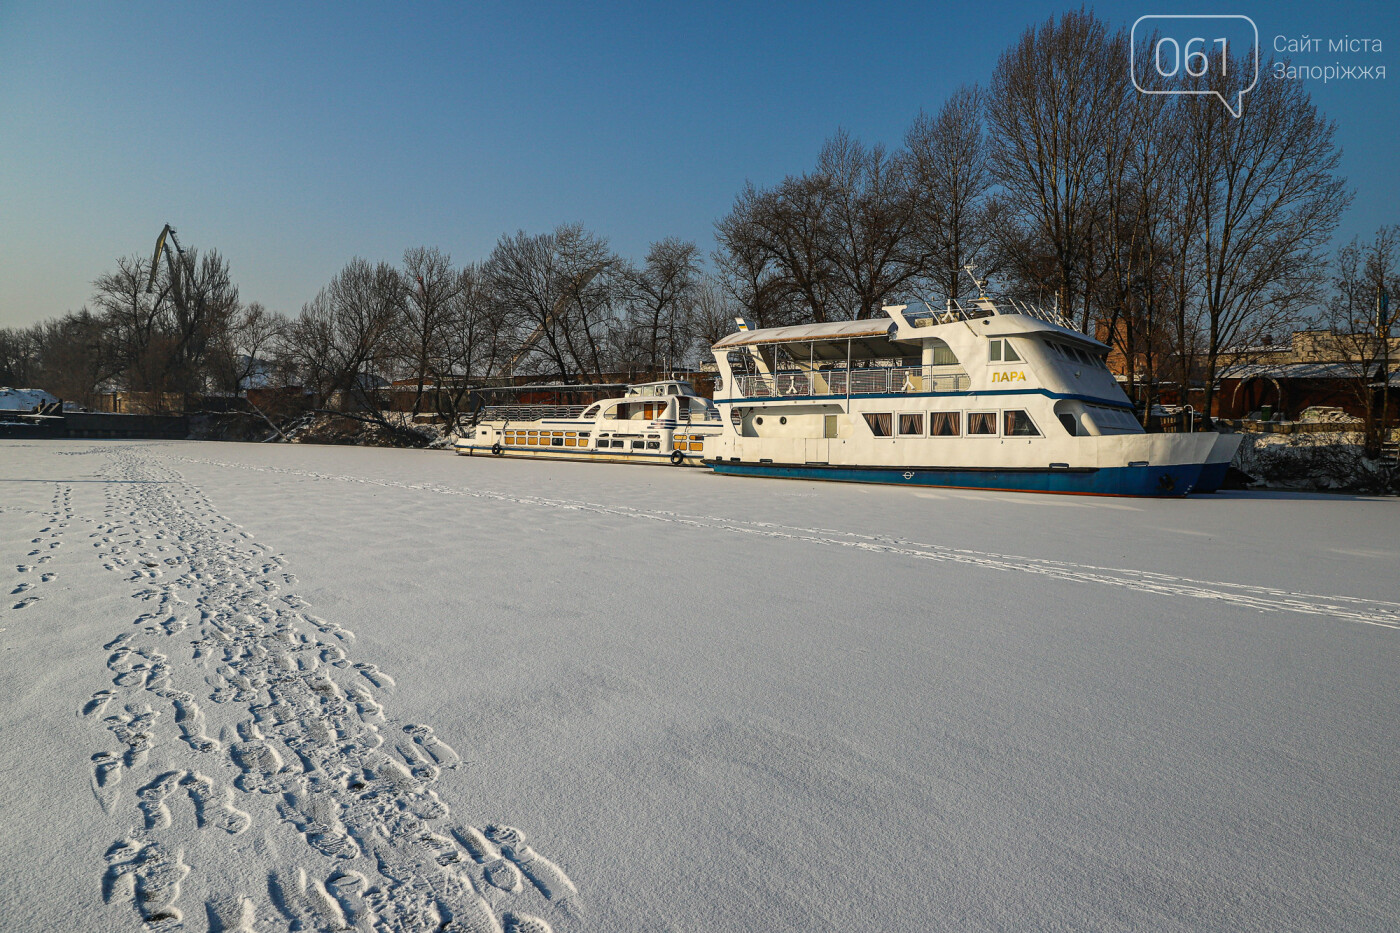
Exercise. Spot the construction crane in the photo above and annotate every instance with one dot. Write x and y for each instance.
(168, 231)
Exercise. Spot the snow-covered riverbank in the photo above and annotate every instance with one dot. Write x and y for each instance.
(251, 686)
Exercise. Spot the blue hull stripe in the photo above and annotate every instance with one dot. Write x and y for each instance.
(1175, 480)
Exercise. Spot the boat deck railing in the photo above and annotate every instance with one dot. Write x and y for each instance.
(877, 381)
(529, 412)
(956, 310)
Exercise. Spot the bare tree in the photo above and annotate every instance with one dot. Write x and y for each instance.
(556, 284)
(950, 180)
(430, 287)
(1049, 99)
(747, 270)
(593, 287)
(477, 334)
(200, 301)
(239, 353)
(1140, 145)
(18, 356)
(838, 240)
(1362, 322)
(74, 356)
(786, 229)
(525, 275)
(341, 341)
(869, 223)
(661, 297)
(713, 317)
(1268, 198)
(137, 328)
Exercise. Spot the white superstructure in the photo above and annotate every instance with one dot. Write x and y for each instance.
(973, 395)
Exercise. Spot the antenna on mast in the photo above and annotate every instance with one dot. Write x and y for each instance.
(980, 283)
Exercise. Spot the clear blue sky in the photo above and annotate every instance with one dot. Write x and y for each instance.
(293, 136)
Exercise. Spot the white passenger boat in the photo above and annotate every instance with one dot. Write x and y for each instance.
(653, 422)
(972, 395)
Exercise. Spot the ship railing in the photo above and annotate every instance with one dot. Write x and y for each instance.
(529, 412)
(955, 310)
(891, 380)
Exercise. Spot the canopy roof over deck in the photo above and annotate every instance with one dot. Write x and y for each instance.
(840, 340)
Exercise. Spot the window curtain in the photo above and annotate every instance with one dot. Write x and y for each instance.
(880, 423)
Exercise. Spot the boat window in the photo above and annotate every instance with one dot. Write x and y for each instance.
(619, 443)
(944, 423)
(830, 426)
(1070, 423)
(943, 355)
(592, 412)
(557, 442)
(639, 445)
(1018, 424)
(1003, 352)
(911, 424)
(653, 445)
(982, 423)
(880, 423)
(1114, 420)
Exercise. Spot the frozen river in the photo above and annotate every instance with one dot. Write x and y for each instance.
(246, 687)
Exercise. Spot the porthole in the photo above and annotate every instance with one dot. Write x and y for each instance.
(782, 420)
(758, 420)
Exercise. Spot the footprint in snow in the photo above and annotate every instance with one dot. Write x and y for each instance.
(150, 876)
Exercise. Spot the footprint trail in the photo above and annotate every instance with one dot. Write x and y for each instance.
(232, 709)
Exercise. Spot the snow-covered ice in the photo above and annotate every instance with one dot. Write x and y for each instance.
(257, 688)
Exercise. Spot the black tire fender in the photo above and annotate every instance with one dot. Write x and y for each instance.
(677, 457)
(496, 449)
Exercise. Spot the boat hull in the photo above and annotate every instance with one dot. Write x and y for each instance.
(1171, 480)
(1217, 465)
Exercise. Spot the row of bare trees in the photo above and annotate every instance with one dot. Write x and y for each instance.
(1160, 222)
(559, 305)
